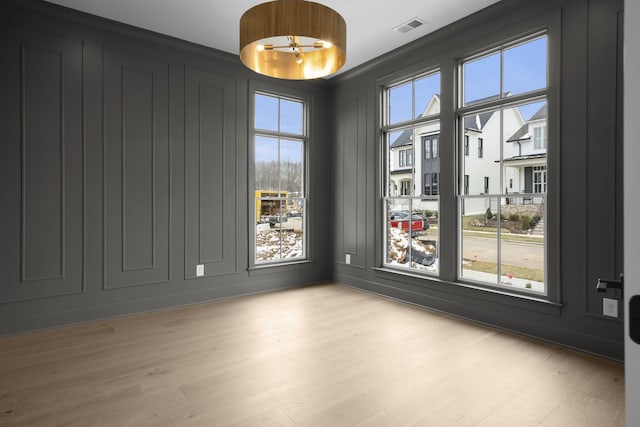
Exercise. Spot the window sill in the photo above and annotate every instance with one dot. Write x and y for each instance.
(512, 299)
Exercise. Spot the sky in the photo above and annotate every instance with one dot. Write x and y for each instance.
(274, 114)
(524, 70)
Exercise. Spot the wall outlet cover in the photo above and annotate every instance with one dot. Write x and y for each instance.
(347, 258)
(610, 307)
(200, 270)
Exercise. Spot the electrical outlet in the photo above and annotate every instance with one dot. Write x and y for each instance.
(610, 307)
(347, 258)
(200, 270)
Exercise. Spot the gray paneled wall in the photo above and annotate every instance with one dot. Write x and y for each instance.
(585, 234)
(136, 172)
(41, 162)
(209, 116)
(123, 166)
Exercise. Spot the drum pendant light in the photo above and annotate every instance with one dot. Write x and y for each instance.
(293, 39)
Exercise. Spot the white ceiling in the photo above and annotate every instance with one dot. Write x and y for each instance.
(214, 23)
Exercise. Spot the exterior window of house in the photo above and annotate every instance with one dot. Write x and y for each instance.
(412, 118)
(280, 140)
(405, 187)
(540, 138)
(466, 145)
(406, 158)
(504, 94)
(435, 142)
(539, 179)
(435, 177)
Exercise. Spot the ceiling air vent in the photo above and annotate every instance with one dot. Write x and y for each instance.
(412, 24)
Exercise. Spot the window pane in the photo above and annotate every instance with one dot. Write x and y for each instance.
(291, 167)
(266, 114)
(525, 67)
(411, 243)
(426, 89)
(267, 170)
(482, 78)
(268, 232)
(291, 119)
(400, 103)
(280, 230)
(522, 243)
(400, 173)
(482, 165)
(525, 130)
(479, 239)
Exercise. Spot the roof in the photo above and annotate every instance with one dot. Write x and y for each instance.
(477, 122)
(405, 138)
(523, 132)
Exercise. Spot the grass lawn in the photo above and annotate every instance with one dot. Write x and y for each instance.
(518, 272)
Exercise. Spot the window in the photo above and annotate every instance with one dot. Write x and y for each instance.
(539, 179)
(412, 117)
(490, 202)
(540, 138)
(405, 187)
(279, 167)
(434, 147)
(406, 158)
(510, 111)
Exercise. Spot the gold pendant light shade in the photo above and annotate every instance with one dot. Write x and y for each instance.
(293, 39)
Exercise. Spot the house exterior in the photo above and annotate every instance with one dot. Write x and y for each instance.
(526, 168)
(414, 158)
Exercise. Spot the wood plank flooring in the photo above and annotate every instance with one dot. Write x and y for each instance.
(324, 355)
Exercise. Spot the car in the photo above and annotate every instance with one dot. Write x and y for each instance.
(403, 223)
(403, 215)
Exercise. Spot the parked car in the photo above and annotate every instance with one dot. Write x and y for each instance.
(416, 224)
(403, 215)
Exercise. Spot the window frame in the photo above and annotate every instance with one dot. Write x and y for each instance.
(447, 62)
(550, 95)
(307, 101)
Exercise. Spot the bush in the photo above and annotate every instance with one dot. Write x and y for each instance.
(488, 214)
(525, 221)
(427, 213)
(514, 217)
(535, 220)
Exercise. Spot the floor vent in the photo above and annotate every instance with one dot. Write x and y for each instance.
(412, 24)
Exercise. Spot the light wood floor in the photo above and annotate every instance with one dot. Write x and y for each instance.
(322, 355)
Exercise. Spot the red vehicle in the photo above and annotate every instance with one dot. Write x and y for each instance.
(417, 224)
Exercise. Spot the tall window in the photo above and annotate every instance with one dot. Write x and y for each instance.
(280, 190)
(412, 117)
(504, 94)
(466, 145)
